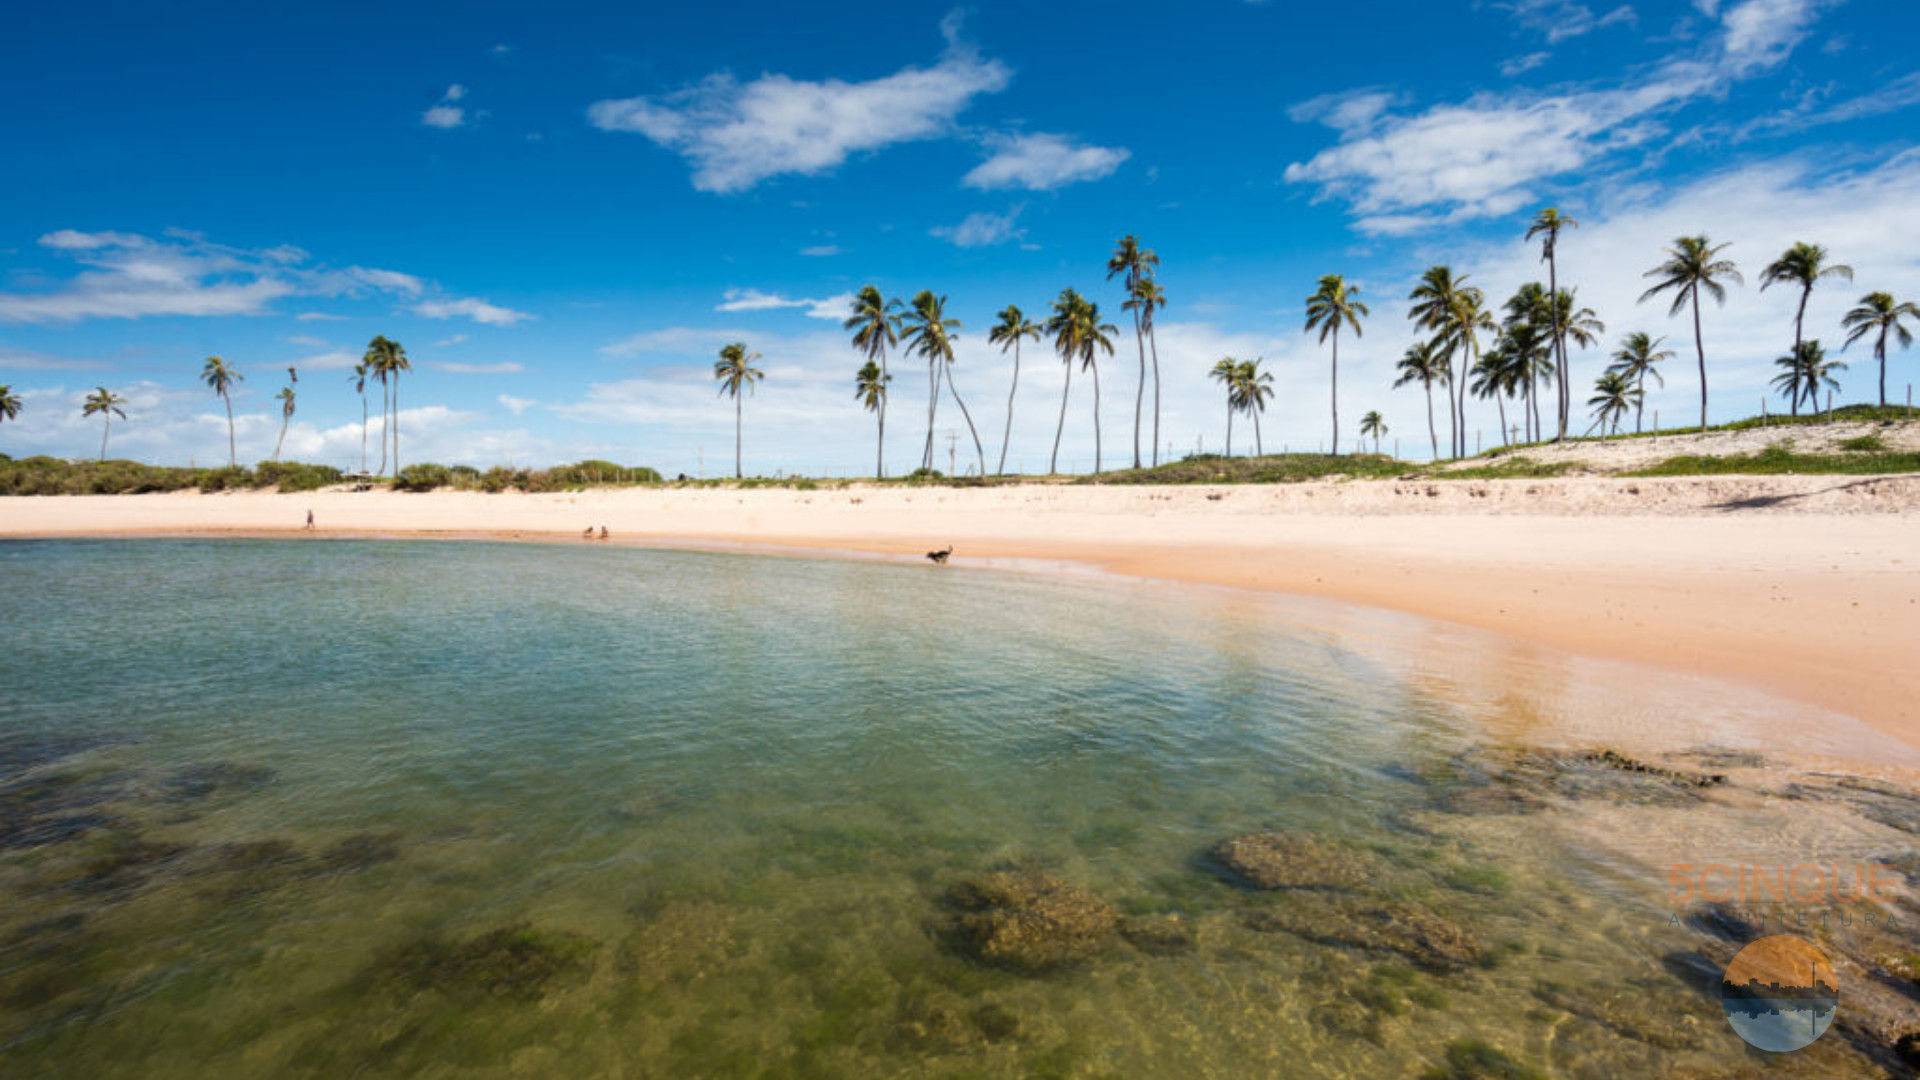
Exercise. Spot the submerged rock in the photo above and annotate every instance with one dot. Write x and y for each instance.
(1512, 780)
(1475, 1059)
(1274, 860)
(1162, 934)
(1890, 805)
(1416, 934)
(1030, 922)
(516, 961)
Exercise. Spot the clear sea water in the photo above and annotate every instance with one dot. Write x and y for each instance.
(358, 808)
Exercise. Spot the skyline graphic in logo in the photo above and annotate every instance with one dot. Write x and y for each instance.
(1780, 993)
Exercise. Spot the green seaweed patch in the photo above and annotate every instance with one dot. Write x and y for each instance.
(1477, 1059)
(196, 783)
(518, 962)
(360, 851)
(1029, 922)
(1482, 880)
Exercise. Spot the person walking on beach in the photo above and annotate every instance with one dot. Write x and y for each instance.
(309, 520)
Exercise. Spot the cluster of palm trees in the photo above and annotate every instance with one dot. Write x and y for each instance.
(1248, 388)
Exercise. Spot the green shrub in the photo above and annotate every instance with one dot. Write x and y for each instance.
(424, 476)
(294, 476)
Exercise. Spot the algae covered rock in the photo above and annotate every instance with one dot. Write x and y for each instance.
(1160, 934)
(517, 961)
(1030, 922)
(1420, 935)
(1275, 860)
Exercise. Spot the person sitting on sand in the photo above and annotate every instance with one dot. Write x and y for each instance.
(588, 534)
(603, 532)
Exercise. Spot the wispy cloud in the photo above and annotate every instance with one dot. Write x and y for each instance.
(517, 405)
(445, 113)
(1559, 20)
(739, 134)
(982, 229)
(1520, 65)
(454, 368)
(820, 251)
(1041, 162)
(469, 308)
(832, 307)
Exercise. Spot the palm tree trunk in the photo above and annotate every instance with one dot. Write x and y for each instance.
(281, 441)
(1639, 400)
(363, 431)
(1140, 389)
(1259, 448)
(1880, 352)
(1501, 404)
(396, 423)
(106, 426)
(1053, 463)
(880, 445)
(233, 456)
(1562, 394)
(383, 427)
(1335, 387)
(1096, 416)
(933, 400)
(1229, 429)
(968, 417)
(1700, 349)
(737, 474)
(1007, 438)
(1154, 348)
(1433, 436)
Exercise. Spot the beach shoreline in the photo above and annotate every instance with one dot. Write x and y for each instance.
(1804, 587)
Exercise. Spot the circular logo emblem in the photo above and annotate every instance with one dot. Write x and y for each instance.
(1779, 993)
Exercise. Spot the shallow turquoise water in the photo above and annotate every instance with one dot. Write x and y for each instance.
(270, 799)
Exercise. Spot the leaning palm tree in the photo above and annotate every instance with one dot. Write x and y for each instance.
(930, 334)
(1136, 263)
(1065, 325)
(359, 378)
(870, 390)
(285, 398)
(1693, 264)
(1636, 358)
(1227, 373)
(1803, 265)
(9, 403)
(1006, 333)
(1501, 374)
(1334, 303)
(1612, 396)
(1803, 373)
(735, 370)
(218, 375)
(106, 404)
(1878, 313)
(1372, 424)
(1437, 301)
(1567, 321)
(1547, 225)
(1146, 298)
(875, 327)
(1424, 363)
(1256, 387)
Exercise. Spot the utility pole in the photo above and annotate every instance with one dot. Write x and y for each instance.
(953, 439)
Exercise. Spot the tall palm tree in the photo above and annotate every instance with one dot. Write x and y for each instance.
(285, 398)
(875, 326)
(1146, 298)
(1804, 265)
(386, 358)
(930, 333)
(218, 375)
(1501, 373)
(397, 363)
(1065, 324)
(1227, 373)
(1693, 263)
(1136, 263)
(1878, 313)
(1256, 387)
(1333, 303)
(9, 403)
(870, 389)
(1095, 337)
(735, 370)
(1567, 321)
(359, 378)
(1006, 333)
(1547, 225)
(1636, 358)
(1444, 304)
(1372, 424)
(1612, 396)
(106, 404)
(1424, 363)
(1803, 373)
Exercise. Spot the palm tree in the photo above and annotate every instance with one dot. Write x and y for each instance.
(221, 378)
(1136, 263)
(1227, 373)
(1693, 264)
(875, 327)
(1334, 303)
(1636, 358)
(9, 403)
(1547, 225)
(1372, 424)
(1006, 333)
(931, 335)
(1452, 310)
(387, 359)
(1501, 373)
(734, 370)
(359, 378)
(870, 390)
(1256, 387)
(1568, 321)
(1877, 312)
(285, 398)
(1802, 374)
(1613, 395)
(1065, 326)
(1424, 363)
(106, 404)
(1146, 298)
(1804, 265)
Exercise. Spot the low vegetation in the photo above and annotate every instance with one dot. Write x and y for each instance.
(1780, 458)
(1264, 469)
(427, 476)
(53, 476)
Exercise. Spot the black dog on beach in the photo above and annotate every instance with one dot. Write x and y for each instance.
(940, 557)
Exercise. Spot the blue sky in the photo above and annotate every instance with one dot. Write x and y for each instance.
(562, 215)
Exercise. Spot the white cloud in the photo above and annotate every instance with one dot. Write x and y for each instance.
(1041, 162)
(308, 340)
(1485, 156)
(1559, 20)
(332, 360)
(386, 280)
(517, 405)
(444, 113)
(1519, 65)
(454, 93)
(320, 316)
(738, 134)
(478, 310)
(504, 368)
(130, 276)
(449, 341)
(981, 229)
(831, 307)
(820, 251)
